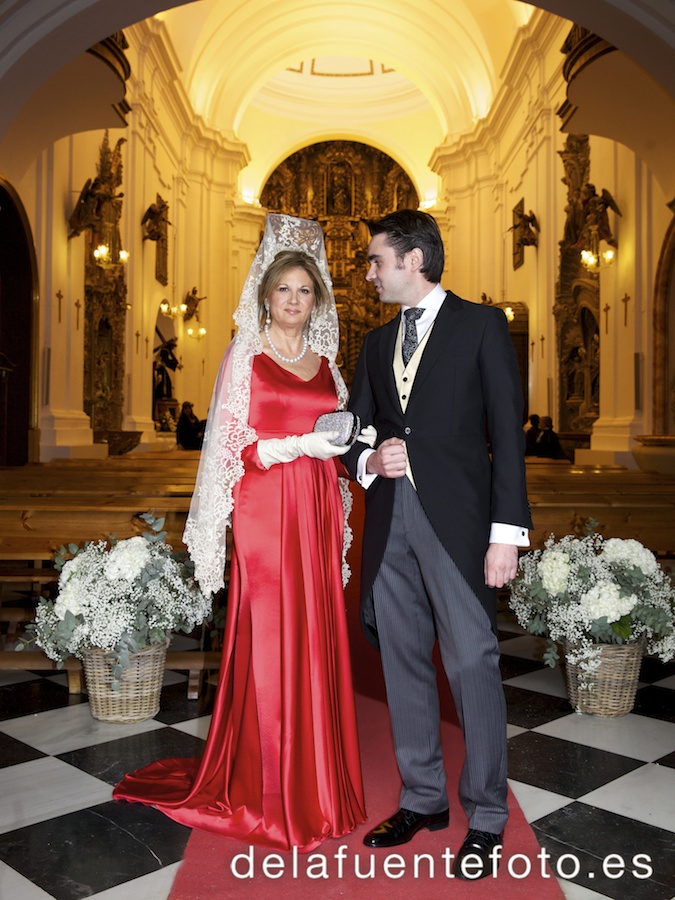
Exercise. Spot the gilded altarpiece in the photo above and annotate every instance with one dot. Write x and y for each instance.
(97, 213)
(341, 184)
(577, 302)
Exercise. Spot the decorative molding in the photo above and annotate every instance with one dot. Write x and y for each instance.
(341, 184)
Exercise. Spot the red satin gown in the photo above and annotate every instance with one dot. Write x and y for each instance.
(281, 766)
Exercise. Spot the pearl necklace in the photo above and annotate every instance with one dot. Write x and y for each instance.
(286, 359)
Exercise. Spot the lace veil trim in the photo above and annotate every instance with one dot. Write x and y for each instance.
(227, 430)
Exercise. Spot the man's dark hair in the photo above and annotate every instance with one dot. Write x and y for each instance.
(409, 228)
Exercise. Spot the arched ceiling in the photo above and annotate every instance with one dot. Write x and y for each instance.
(373, 70)
(279, 74)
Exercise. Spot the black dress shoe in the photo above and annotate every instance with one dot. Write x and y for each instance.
(476, 858)
(403, 826)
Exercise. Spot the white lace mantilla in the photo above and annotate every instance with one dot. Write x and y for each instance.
(227, 430)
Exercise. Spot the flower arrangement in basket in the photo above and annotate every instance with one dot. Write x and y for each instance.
(590, 592)
(118, 596)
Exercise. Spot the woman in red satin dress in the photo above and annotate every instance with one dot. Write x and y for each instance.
(281, 766)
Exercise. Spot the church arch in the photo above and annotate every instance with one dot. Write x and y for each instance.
(19, 326)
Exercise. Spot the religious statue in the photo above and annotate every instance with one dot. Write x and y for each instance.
(526, 229)
(165, 360)
(595, 215)
(155, 219)
(192, 302)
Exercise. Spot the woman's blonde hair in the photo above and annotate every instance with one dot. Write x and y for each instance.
(274, 275)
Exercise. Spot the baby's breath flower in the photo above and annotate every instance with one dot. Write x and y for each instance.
(582, 592)
(123, 595)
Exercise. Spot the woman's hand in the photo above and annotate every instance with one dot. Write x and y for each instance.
(315, 444)
(368, 435)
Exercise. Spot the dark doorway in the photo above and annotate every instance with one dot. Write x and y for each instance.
(18, 284)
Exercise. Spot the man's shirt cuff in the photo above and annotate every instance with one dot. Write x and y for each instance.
(365, 479)
(509, 534)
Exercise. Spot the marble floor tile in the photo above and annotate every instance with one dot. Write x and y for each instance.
(589, 839)
(574, 891)
(529, 646)
(14, 886)
(631, 735)
(176, 707)
(154, 886)
(13, 751)
(578, 779)
(656, 702)
(531, 708)
(197, 727)
(513, 730)
(114, 759)
(653, 670)
(15, 676)
(646, 795)
(564, 767)
(35, 696)
(70, 728)
(668, 760)
(545, 681)
(513, 666)
(43, 789)
(130, 840)
(536, 802)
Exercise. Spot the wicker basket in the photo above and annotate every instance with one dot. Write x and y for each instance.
(138, 696)
(614, 684)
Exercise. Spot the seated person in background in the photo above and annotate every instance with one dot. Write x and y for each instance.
(531, 435)
(189, 430)
(548, 443)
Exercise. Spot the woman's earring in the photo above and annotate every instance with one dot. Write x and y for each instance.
(268, 320)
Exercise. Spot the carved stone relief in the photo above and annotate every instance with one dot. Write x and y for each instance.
(97, 213)
(577, 302)
(341, 183)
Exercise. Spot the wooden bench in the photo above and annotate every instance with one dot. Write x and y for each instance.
(43, 507)
(627, 504)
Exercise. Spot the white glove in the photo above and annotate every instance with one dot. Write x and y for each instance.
(316, 444)
(368, 435)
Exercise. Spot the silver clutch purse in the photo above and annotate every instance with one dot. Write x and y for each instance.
(347, 425)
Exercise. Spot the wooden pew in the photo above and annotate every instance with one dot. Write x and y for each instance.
(45, 506)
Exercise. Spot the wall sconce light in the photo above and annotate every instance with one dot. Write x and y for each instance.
(196, 333)
(172, 312)
(509, 313)
(103, 256)
(592, 258)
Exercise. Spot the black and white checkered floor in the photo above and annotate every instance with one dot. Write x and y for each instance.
(600, 793)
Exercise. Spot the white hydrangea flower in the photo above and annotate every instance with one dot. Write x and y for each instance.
(630, 552)
(554, 570)
(127, 559)
(605, 599)
(68, 600)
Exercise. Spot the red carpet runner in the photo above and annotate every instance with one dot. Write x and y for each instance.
(215, 867)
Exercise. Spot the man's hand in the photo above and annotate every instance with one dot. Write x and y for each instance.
(500, 565)
(389, 460)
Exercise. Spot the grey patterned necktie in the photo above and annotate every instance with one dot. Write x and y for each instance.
(410, 336)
